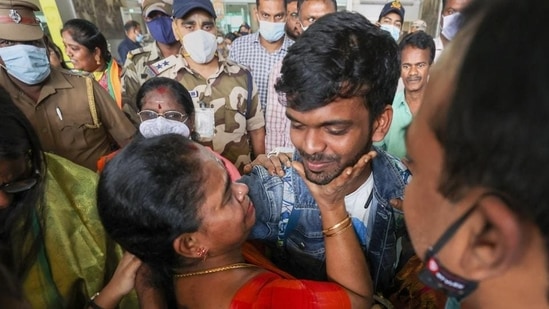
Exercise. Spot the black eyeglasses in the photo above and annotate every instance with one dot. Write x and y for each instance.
(170, 115)
(19, 185)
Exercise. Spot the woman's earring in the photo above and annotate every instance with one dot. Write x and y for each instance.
(203, 253)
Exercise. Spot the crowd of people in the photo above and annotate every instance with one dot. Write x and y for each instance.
(288, 171)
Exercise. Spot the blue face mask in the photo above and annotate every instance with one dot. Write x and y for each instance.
(27, 63)
(139, 38)
(161, 29)
(394, 31)
(271, 32)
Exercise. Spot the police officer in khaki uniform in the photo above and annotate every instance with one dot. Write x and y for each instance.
(139, 64)
(214, 84)
(72, 115)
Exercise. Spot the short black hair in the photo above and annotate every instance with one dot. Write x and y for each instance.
(257, 5)
(342, 55)
(231, 36)
(421, 40)
(495, 133)
(300, 3)
(130, 25)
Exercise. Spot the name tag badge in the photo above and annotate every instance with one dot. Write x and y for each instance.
(193, 93)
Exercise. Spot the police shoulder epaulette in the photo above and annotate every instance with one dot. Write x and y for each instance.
(132, 53)
(241, 66)
(160, 66)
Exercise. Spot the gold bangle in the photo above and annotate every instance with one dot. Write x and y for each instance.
(337, 225)
(340, 231)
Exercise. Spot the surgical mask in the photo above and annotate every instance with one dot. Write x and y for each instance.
(27, 63)
(160, 126)
(450, 25)
(161, 29)
(393, 30)
(200, 45)
(271, 32)
(437, 276)
(139, 38)
(304, 28)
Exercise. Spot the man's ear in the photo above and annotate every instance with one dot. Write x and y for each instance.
(382, 124)
(187, 245)
(496, 243)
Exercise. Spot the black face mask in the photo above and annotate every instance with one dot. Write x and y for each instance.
(437, 276)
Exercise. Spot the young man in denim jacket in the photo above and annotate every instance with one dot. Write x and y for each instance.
(338, 100)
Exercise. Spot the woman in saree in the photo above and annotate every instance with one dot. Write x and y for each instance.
(88, 51)
(171, 202)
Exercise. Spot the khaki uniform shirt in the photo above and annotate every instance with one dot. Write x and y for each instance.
(227, 90)
(62, 113)
(137, 69)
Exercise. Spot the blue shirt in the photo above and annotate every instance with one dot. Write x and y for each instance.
(288, 221)
(125, 47)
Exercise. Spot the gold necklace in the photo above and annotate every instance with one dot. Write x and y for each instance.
(215, 270)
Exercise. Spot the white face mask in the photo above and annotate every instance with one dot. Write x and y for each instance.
(271, 32)
(27, 63)
(200, 45)
(393, 30)
(160, 125)
(450, 25)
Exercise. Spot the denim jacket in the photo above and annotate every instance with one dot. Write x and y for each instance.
(301, 250)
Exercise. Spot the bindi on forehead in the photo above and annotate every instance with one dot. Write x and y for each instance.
(158, 96)
(162, 89)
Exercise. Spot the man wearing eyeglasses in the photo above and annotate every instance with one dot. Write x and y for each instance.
(72, 115)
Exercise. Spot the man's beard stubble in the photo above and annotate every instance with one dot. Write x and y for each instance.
(326, 177)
